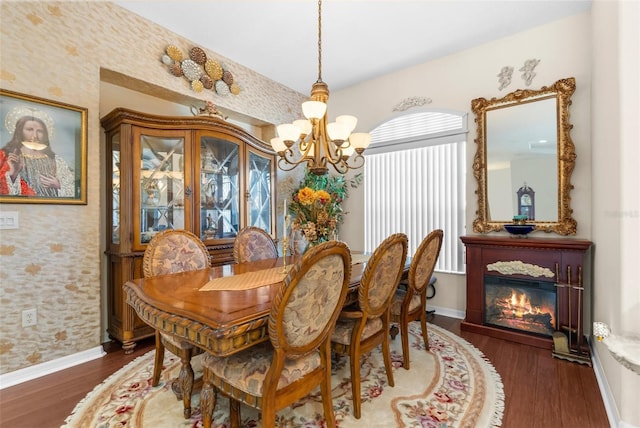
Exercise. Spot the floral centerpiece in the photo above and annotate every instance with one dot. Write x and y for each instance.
(316, 206)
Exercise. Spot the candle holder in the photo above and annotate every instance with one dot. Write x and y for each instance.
(285, 238)
(285, 246)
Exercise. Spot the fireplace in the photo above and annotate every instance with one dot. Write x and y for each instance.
(535, 291)
(519, 304)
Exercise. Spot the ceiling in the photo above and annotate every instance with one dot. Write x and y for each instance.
(360, 39)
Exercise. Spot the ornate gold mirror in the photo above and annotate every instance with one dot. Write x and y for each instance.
(523, 142)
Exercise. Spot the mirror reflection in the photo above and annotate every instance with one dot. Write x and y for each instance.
(522, 154)
(525, 158)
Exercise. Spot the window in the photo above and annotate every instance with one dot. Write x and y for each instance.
(414, 182)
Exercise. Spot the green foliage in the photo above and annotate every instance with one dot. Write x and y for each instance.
(316, 206)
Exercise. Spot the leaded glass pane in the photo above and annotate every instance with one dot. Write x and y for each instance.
(259, 192)
(219, 193)
(161, 185)
(115, 189)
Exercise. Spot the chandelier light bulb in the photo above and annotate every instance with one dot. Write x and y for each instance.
(288, 132)
(278, 144)
(348, 151)
(360, 140)
(338, 132)
(304, 125)
(348, 121)
(314, 109)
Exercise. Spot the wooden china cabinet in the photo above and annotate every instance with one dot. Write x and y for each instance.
(199, 173)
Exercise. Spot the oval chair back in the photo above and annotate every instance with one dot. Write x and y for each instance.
(410, 303)
(173, 251)
(362, 328)
(297, 357)
(253, 243)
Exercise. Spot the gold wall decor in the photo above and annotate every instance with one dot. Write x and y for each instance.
(202, 72)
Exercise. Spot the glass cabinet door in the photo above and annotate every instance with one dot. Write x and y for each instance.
(115, 189)
(162, 185)
(259, 191)
(219, 188)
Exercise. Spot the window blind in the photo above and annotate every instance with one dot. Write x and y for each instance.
(415, 191)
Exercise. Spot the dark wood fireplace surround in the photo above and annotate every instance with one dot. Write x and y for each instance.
(568, 259)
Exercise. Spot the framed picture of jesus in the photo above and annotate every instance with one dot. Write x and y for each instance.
(43, 151)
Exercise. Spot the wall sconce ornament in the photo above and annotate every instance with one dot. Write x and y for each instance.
(411, 102)
(504, 77)
(202, 72)
(527, 69)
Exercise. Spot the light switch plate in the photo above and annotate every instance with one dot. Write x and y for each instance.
(9, 220)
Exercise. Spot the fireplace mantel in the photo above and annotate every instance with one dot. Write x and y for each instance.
(565, 262)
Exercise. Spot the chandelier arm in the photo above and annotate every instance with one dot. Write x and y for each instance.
(358, 161)
(286, 165)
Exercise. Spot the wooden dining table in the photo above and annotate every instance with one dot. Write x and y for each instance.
(219, 309)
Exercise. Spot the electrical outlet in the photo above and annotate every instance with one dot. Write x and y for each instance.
(29, 317)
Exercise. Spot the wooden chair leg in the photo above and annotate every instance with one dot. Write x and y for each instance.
(355, 384)
(423, 325)
(386, 352)
(159, 360)
(268, 415)
(404, 335)
(207, 399)
(325, 392)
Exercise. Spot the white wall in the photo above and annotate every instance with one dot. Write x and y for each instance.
(616, 190)
(563, 49)
(600, 49)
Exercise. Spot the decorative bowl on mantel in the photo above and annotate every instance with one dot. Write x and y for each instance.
(519, 230)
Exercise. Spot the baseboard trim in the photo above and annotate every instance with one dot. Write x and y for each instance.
(607, 397)
(447, 312)
(43, 369)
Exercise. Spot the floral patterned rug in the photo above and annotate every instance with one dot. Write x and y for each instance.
(453, 385)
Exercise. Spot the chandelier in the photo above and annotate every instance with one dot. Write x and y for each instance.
(317, 142)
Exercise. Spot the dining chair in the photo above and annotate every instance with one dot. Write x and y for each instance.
(364, 325)
(297, 357)
(253, 243)
(172, 251)
(410, 302)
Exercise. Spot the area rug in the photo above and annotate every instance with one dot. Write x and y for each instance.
(453, 385)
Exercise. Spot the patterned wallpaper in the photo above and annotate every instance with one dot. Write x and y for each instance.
(58, 51)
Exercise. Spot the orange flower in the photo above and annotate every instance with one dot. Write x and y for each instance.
(306, 196)
(323, 196)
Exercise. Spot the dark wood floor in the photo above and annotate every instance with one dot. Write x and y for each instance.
(540, 391)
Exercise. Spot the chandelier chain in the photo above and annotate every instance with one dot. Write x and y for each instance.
(319, 40)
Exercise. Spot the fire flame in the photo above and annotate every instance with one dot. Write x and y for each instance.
(520, 305)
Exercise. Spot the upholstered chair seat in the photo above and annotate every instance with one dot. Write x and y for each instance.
(396, 305)
(297, 357)
(173, 251)
(246, 371)
(410, 302)
(344, 329)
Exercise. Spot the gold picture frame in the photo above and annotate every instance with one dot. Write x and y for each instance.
(43, 151)
(560, 92)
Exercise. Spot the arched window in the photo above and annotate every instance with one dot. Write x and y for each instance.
(414, 182)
